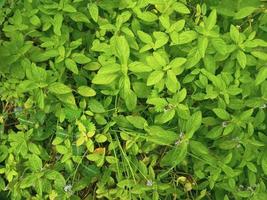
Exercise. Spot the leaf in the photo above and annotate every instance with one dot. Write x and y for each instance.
(3, 152)
(160, 136)
(260, 55)
(193, 124)
(95, 106)
(221, 113)
(86, 91)
(261, 76)
(122, 49)
(93, 10)
(184, 37)
(171, 82)
(35, 20)
(144, 37)
(35, 163)
(159, 59)
(264, 163)
(244, 12)
(219, 45)
(177, 26)
(104, 79)
(80, 58)
(79, 17)
(137, 121)
(202, 45)
(147, 16)
(241, 58)
(175, 156)
(165, 117)
(41, 56)
(234, 34)
(165, 21)
(67, 98)
(40, 99)
(28, 181)
(155, 77)
(198, 148)
(211, 20)
(71, 65)
(69, 8)
(59, 88)
(161, 39)
(61, 149)
(139, 67)
(180, 8)
(130, 100)
(58, 19)
(176, 65)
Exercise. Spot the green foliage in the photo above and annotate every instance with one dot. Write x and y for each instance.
(133, 99)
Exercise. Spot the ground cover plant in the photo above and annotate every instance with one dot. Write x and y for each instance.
(133, 99)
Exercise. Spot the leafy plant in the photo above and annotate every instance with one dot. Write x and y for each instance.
(133, 99)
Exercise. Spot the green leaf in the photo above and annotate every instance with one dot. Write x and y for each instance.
(147, 16)
(202, 45)
(35, 163)
(221, 113)
(59, 88)
(58, 19)
(95, 106)
(3, 152)
(234, 34)
(100, 138)
(180, 8)
(165, 117)
(260, 55)
(137, 121)
(79, 17)
(122, 49)
(28, 181)
(35, 20)
(139, 67)
(67, 98)
(193, 124)
(244, 12)
(40, 98)
(161, 39)
(144, 37)
(264, 163)
(165, 21)
(86, 91)
(160, 136)
(261, 76)
(154, 77)
(71, 65)
(175, 156)
(80, 58)
(198, 148)
(219, 45)
(211, 20)
(242, 58)
(177, 26)
(69, 8)
(184, 37)
(41, 56)
(93, 10)
(130, 100)
(104, 79)
(171, 82)
(176, 65)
